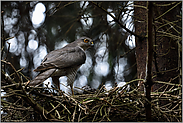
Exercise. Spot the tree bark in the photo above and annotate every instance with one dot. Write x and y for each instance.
(163, 39)
(148, 78)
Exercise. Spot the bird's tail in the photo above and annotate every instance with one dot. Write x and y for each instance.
(41, 77)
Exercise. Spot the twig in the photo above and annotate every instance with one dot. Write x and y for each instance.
(44, 114)
(127, 52)
(168, 10)
(74, 113)
(7, 51)
(54, 108)
(13, 69)
(66, 108)
(116, 20)
(79, 116)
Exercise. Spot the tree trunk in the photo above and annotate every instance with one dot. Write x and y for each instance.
(165, 37)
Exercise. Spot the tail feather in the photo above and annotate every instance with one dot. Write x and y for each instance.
(41, 77)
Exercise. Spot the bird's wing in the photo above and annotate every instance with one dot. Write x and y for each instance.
(63, 58)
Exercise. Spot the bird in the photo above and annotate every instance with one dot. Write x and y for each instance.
(63, 62)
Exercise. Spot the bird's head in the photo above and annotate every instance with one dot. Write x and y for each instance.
(85, 43)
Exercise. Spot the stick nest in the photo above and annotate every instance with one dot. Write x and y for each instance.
(127, 103)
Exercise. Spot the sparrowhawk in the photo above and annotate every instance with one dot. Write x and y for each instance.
(63, 62)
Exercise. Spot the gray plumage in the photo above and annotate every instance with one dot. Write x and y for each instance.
(63, 62)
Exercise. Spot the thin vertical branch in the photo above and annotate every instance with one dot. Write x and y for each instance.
(148, 79)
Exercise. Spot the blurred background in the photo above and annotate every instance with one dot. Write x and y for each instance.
(33, 29)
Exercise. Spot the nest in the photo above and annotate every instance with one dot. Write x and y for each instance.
(22, 104)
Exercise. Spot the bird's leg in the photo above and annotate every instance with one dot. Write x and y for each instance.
(71, 77)
(72, 89)
(56, 82)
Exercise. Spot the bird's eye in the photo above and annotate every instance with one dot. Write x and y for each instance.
(86, 40)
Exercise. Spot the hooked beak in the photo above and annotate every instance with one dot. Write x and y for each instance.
(91, 43)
